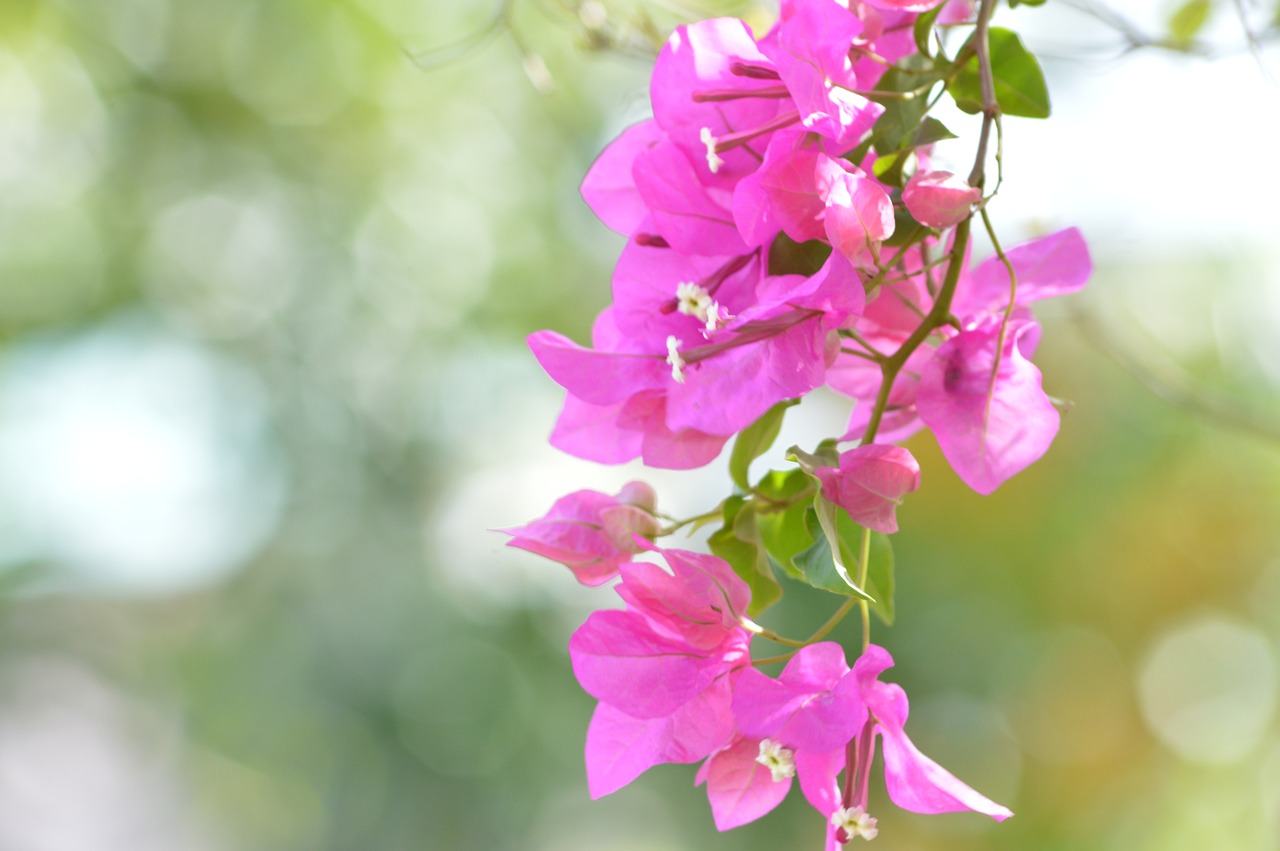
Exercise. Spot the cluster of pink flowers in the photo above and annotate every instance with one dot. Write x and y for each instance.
(672, 672)
(756, 270)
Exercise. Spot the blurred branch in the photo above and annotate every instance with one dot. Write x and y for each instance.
(1166, 382)
(437, 57)
(1136, 38)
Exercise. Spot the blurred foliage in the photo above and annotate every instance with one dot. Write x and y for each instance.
(298, 189)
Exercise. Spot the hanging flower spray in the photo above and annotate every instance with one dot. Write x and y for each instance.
(786, 230)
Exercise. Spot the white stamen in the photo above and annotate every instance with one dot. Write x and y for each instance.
(673, 358)
(780, 761)
(693, 300)
(716, 316)
(713, 159)
(855, 822)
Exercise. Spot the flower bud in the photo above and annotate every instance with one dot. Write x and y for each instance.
(939, 199)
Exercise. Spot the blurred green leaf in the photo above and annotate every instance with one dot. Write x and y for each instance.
(738, 543)
(788, 257)
(755, 440)
(924, 29)
(1188, 19)
(1019, 82)
(782, 528)
(821, 566)
(902, 116)
(820, 570)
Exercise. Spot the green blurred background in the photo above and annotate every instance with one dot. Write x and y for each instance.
(265, 273)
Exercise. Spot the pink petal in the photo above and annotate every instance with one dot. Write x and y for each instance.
(987, 429)
(818, 772)
(618, 659)
(740, 789)
(1053, 265)
(939, 199)
(815, 709)
(786, 192)
(859, 216)
(646, 415)
(573, 533)
(621, 748)
(870, 484)
(683, 211)
(592, 432)
(726, 392)
(913, 781)
(597, 377)
(609, 188)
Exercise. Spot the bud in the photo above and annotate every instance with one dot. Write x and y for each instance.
(939, 199)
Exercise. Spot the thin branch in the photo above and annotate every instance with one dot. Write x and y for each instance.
(1165, 382)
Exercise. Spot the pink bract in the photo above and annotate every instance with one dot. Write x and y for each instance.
(870, 483)
(590, 532)
(939, 199)
(990, 422)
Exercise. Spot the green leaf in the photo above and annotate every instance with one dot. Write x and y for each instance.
(905, 228)
(1013, 4)
(931, 130)
(1019, 82)
(880, 577)
(738, 543)
(780, 516)
(755, 440)
(788, 257)
(902, 116)
(924, 29)
(826, 455)
(820, 570)
(1188, 19)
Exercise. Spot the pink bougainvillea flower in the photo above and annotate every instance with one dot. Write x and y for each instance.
(740, 788)
(788, 191)
(821, 687)
(590, 532)
(711, 81)
(816, 719)
(691, 216)
(985, 405)
(905, 5)
(858, 217)
(939, 199)
(870, 484)
(810, 48)
(662, 668)
(812, 705)
(610, 187)
(1053, 265)
(914, 782)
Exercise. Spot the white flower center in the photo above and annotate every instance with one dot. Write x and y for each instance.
(855, 822)
(673, 358)
(713, 159)
(693, 300)
(780, 761)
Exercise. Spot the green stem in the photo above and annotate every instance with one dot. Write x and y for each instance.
(864, 559)
(832, 621)
(937, 316)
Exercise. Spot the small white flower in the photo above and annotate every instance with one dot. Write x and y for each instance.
(780, 761)
(855, 822)
(693, 300)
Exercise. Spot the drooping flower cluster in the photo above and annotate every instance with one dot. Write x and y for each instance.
(713, 323)
(786, 230)
(673, 675)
